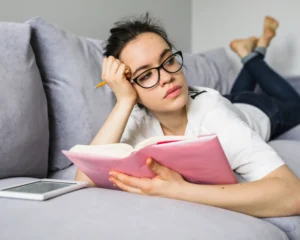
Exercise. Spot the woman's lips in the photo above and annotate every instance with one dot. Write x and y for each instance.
(173, 92)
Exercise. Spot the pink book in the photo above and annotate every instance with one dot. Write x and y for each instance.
(199, 160)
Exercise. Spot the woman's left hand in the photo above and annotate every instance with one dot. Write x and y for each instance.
(167, 183)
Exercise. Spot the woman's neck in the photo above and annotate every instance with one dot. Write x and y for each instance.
(173, 123)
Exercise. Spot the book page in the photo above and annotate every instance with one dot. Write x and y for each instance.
(110, 150)
(154, 140)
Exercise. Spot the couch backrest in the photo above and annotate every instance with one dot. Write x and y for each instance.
(24, 129)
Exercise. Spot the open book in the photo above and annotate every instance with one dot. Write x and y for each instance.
(198, 160)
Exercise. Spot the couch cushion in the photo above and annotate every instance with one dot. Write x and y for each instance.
(290, 225)
(289, 151)
(67, 173)
(106, 214)
(212, 69)
(294, 81)
(292, 134)
(24, 132)
(70, 67)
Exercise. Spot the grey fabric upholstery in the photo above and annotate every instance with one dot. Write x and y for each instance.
(24, 132)
(212, 69)
(295, 82)
(107, 214)
(289, 151)
(67, 173)
(70, 67)
(293, 134)
(290, 225)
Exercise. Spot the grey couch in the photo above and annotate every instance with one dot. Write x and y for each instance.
(47, 104)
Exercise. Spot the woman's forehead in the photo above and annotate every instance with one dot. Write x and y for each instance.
(145, 49)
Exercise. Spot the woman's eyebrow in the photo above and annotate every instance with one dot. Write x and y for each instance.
(164, 53)
(161, 56)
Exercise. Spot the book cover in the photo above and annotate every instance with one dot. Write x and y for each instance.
(200, 160)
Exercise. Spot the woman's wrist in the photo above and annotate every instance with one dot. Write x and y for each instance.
(126, 103)
(179, 191)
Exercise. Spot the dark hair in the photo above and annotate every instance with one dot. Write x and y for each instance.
(127, 30)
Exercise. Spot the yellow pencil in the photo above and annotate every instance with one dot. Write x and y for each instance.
(100, 84)
(104, 82)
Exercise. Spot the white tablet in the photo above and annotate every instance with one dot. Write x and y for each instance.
(42, 189)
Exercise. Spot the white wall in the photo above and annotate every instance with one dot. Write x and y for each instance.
(215, 23)
(94, 18)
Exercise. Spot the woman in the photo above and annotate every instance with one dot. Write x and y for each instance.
(158, 85)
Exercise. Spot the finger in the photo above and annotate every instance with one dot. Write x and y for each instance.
(144, 184)
(158, 169)
(114, 67)
(109, 63)
(126, 188)
(121, 70)
(118, 64)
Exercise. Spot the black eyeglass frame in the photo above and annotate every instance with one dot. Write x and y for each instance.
(158, 69)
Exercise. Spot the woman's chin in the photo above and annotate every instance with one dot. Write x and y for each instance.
(169, 106)
(176, 104)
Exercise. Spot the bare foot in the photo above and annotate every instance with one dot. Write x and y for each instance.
(243, 47)
(270, 27)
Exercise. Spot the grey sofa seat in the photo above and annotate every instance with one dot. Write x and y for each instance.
(105, 214)
(287, 149)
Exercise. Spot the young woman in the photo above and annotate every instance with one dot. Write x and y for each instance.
(155, 82)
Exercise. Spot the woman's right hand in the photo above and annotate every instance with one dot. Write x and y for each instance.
(113, 72)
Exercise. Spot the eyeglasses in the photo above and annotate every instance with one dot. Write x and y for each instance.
(151, 77)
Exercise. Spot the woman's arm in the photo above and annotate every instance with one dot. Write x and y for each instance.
(110, 132)
(113, 72)
(113, 128)
(276, 195)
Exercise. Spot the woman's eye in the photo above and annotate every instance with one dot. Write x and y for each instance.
(170, 61)
(146, 76)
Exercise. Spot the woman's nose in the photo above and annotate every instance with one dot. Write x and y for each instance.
(165, 77)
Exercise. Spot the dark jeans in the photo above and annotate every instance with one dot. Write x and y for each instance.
(280, 102)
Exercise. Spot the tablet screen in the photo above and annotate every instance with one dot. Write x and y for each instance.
(39, 187)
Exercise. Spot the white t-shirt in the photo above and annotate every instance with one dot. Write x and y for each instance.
(209, 112)
(257, 120)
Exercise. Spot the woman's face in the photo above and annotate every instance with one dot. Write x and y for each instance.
(149, 50)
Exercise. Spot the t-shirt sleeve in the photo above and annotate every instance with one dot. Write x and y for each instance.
(248, 154)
